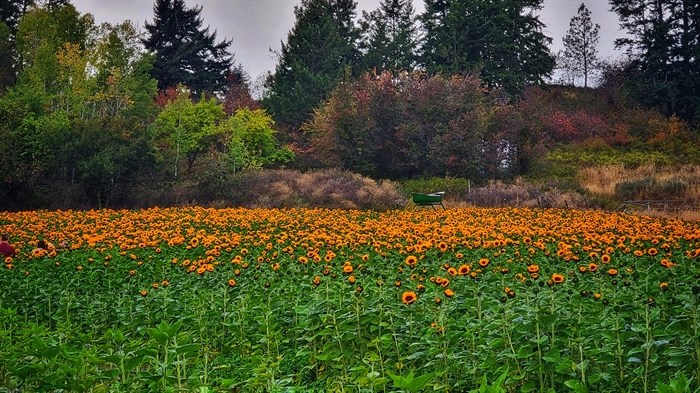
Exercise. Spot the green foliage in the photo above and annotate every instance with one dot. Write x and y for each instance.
(411, 383)
(663, 73)
(389, 41)
(320, 51)
(450, 185)
(184, 51)
(186, 127)
(250, 140)
(515, 54)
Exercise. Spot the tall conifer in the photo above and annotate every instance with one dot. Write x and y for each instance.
(185, 52)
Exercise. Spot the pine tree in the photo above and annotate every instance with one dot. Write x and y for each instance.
(185, 52)
(502, 41)
(320, 50)
(664, 45)
(581, 44)
(390, 41)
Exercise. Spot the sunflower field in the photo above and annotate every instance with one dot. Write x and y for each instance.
(310, 300)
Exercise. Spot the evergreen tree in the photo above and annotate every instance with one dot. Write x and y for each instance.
(11, 12)
(501, 40)
(184, 51)
(390, 41)
(320, 49)
(664, 45)
(581, 44)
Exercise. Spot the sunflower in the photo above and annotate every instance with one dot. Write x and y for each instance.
(452, 271)
(667, 263)
(442, 246)
(132, 272)
(347, 268)
(231, 282)
(165, 283)
(449, 292)
(592, 267)
(317, 280)
(303, 260)
(144, 293)
(459, 255)
(408, 297)
(155, 285)
(464, 269)
(652, 251)
(612, 272)
(411, 260)
(397, 283)
(557, 278)
(533, 269)
(605, 258)
(483, 262)
(582, 269)
(351, 279)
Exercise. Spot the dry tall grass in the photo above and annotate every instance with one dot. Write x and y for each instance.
(659, 190)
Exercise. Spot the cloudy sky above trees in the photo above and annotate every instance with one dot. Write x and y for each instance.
(256, 26)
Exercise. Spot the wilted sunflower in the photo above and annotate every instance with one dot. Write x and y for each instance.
(408, 297)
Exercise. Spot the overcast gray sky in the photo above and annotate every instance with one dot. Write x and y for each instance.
(258, 25)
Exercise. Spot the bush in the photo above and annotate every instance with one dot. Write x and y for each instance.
(331, 188)
(451, 186)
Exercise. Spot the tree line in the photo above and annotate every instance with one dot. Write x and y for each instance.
(110, 116)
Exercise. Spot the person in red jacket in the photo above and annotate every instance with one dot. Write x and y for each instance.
(6, 248)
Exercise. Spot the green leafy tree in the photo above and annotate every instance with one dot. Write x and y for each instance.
(184, 51)
(7, 72)
(186, 128)
(501, 41)
(390, 37)
(249, 139)
(76, 124)
(320, 50)
(581, 44)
